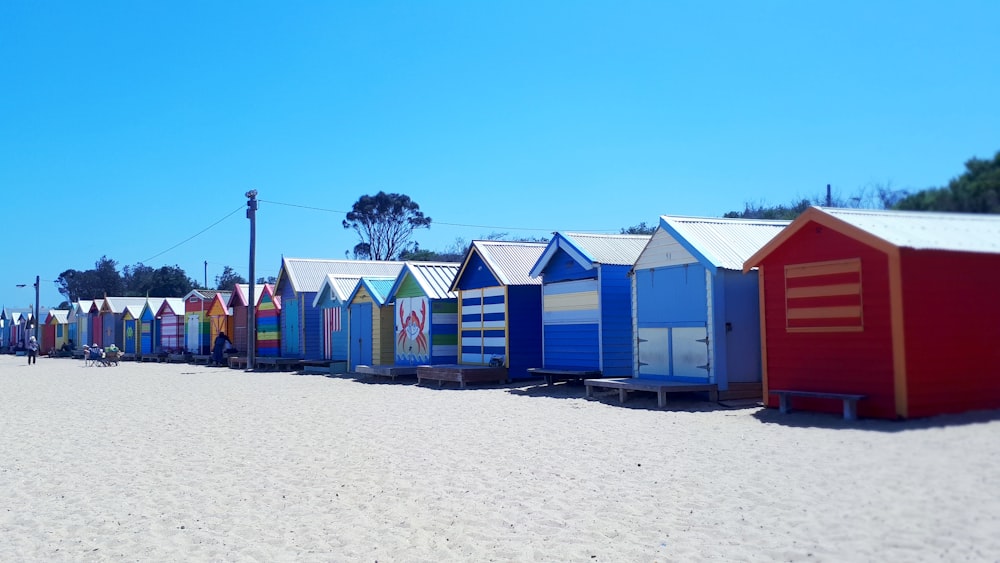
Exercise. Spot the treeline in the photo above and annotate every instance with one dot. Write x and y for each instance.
(138, 280)
(977, 190)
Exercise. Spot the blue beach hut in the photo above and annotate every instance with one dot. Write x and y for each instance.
(697, 316)
(500, 306)
(370, 322)
(586, 304)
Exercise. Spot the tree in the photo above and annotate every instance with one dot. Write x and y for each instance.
(228, 279)
(640, 229)
(91, 284)
(977, 190)
(268, 279)
(138, 279)
(384, 224)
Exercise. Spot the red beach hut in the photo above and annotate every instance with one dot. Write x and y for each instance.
(898, 306)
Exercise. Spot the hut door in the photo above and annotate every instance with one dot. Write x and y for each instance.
(192, 334)
(129, 337)
(654, 352)
(290, 328)
(689, 352)
(361, 334)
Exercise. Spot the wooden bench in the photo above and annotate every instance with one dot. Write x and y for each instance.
(850, 400)
(237, 362)
(201, 359)
(552, 375)
(661, 388)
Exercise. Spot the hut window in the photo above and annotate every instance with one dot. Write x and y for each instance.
(824, 296)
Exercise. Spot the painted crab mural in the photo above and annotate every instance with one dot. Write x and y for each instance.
(412, 329)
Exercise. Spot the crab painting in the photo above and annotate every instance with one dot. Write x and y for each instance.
(412, 330)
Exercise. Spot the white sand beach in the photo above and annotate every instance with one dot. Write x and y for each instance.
(157, 462)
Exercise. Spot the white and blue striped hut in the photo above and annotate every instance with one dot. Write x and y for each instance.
(696, 315)
(586, 303)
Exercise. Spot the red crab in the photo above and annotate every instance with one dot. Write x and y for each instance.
(412, 328)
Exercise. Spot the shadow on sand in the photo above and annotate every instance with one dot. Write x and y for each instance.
(805, 419)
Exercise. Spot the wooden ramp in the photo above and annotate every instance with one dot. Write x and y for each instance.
(461, 374)
(390, 371)
(626, 385)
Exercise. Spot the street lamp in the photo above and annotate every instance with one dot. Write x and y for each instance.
(35, 320)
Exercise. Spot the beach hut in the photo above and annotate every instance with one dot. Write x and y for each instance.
(586, 304)
(112, 311)
(500, 312)
(332, 301)
(695, 313)
(370, 323)
(149, 328)
(171, 317)
(220, 318)
(131, 329)
(426, 314)
(6, 326)
(299, 279)
(239, 304)
(55, 331)
(81, 311)
(267, 314)
(197, 331)
(898, 307)
(97, 322)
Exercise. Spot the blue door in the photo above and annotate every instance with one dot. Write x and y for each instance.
(361, 335)
(290, 328)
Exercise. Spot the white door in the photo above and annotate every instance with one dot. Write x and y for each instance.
(192, 334)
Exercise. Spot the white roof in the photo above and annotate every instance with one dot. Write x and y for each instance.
(723, 242)
(926, 230)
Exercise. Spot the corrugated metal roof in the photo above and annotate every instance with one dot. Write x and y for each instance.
(340, 286)
(924, 230)
(174, 304)
(619, 250)
(725, 243)
(241, 291)
(117, 304)
(84, 305)
(378, 288)
(510, 262)
(307, 274)
(61, 315)
(434, 278)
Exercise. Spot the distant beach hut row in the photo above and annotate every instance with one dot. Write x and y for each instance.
(893, 311)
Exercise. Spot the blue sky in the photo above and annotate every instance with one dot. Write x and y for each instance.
(128, 127)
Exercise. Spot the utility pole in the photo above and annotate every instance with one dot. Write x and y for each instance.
(251, 313)
(206, 275)
(37, 312)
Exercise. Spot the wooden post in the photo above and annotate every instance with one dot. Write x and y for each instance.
(251, 324)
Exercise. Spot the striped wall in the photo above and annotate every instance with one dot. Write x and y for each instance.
(483, 324)
(172, 332)
(268, 336)
(571, 319)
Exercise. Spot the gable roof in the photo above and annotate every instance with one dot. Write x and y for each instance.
(721, 242)
(307, 274)
(590, 250)
(378, 288)
(173, 305)
(889, 230)
(117, 305)
(61, 316)
(240, 292)
(335, 289)
(433, 278)
(206, 294)
(83, 306)
(509, 262)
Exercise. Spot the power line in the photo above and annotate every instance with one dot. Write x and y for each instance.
(435, 222)
(227, 216)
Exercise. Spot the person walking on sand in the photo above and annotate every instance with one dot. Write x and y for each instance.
(32, 350)
(219, 347)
